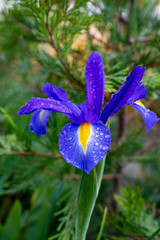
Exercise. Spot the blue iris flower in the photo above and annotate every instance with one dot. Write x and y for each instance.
(84, 142)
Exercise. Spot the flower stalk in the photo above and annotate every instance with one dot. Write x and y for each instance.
(89, 189)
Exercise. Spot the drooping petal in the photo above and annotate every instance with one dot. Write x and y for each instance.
(39, 121)
(85, 145)
(127, 90)
(95, 80)
(150, 118)
(55, 92)
(50, 104)
(42, 103)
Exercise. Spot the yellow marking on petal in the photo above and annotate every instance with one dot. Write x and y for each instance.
(139, 102)
(84, 133)
(41, 114)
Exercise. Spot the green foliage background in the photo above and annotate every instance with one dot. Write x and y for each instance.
(49, 41)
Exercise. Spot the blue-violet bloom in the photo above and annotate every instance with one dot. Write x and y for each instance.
(84, 142)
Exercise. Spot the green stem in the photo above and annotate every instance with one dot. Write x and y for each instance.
(89, 189)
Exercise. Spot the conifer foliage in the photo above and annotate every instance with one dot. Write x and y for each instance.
(50, 41)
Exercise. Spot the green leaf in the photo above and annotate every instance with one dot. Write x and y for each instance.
(8, 118)
(9, 143)
(154, 234)
(1, 230)
(44, 206)
(102, 224)
(38, 218)
(88, 193)
(12, 226)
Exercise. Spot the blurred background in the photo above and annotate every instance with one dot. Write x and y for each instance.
(49, 41)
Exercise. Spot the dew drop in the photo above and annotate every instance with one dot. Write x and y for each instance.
(105, 148)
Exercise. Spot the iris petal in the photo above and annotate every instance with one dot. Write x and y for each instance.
(120, 98)
(95, 80)
(39, 121)
(45, 104)
(60, 95)
(55, 92)
(98, 142)
(139, 93)
(66, 107)
(150, 118)
(88, 114)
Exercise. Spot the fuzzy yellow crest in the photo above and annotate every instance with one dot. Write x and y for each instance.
(41, 114)
(139, 102)
(84, 133)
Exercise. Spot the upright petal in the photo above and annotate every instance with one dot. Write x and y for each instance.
(85, 145)
(120, 98)
(95, 80)
(55, 92)
(60, 95)
(88, 114)
(150, 118)
(139, 93)
(39, 121)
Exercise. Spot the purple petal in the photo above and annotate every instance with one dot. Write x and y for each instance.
(139, 93)
(97, 146)
(44, 104)
(55, 92)
(127, 90)
(39, 121)
(150, 118)
(88, 114)
(60, 95)
(95, 80)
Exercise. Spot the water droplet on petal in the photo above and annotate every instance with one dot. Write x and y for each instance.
(105, 148)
